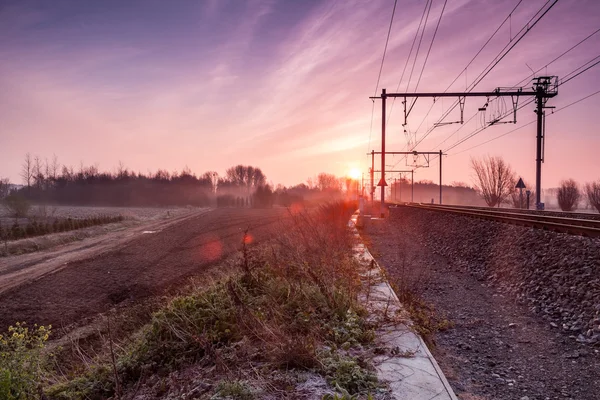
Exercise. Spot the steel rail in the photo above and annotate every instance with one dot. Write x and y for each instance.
(573, 226)
(565, 214)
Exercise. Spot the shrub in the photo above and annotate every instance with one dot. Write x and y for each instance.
(592, 191)
(22, 362)
(17, 204)
(568, 195)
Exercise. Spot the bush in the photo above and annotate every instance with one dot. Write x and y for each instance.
(568, 195)
(592, 190)
(17, 204)
(22, 362)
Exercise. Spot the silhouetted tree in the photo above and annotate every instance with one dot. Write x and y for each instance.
(4, 187)
(328, 182)
(568, 195)
(27, 170)
(592, 190)
(246, 176)
(494, 179)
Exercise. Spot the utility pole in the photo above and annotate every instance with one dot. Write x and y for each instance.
(545, 87)
(426, 154)
(372, 188)
(441, 177)
(412, 175)
(382, 181)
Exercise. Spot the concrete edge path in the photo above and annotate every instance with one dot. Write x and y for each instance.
(403, 359)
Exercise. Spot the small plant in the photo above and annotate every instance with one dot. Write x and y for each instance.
(22, 363)
(239, 390)
(347, 374)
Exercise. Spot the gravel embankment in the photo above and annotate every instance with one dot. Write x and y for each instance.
(555, 274)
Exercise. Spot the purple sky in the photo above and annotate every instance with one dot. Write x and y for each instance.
(282, 85)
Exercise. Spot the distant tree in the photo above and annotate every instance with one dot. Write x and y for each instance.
(328, 182)
(263, 196)
(17, 205)
(246, 176)
(494, 179)
(27, 170)
(568, 195)
(4, 187)
(592, 190)
(459, 184)
(213, 178)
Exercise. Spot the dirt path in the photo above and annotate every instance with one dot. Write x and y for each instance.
(497, 349)
(130, 267)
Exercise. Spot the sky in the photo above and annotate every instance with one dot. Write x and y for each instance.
(284, 85)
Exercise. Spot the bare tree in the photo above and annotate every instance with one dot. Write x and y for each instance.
(568, 195)
(38, 172)
(246, 176)
(328, 182)
(27, 170)
(213, 178)
(592, 190)
(494, 179)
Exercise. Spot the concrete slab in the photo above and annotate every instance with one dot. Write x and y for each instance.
(404, 361)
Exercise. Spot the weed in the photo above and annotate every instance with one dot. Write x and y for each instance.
(288, 300)
(21, 361)
(348, 373)
(238, 390)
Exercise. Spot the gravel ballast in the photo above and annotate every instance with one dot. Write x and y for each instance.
(525, 303)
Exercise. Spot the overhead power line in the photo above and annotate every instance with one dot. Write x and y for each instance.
(503, 53)
(528, 123)
(381, 68)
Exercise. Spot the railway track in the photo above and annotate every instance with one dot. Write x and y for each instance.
(571, 225)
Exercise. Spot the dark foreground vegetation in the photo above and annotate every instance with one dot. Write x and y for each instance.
(35, 228)
(286, 318)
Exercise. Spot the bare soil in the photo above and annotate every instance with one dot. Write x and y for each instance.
(497, 348)
(76, 282)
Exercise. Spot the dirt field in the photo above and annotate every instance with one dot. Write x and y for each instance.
(69, 283)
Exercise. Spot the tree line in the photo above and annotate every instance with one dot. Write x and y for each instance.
(47, 181)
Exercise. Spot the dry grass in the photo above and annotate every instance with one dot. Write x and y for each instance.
(292, 306)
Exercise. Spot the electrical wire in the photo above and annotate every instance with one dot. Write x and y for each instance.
(470, 62)
(428, 52)
(407, 60)
(571, 75)
(527, 124)
(381, 69)
(503, 53)
(419, 45)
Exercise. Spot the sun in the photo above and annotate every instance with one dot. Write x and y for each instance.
(354, 173)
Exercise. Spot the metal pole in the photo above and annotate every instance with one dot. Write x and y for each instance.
(372, 188)
(538, 160)
(400, 199)
(362, 184)
(412, 188)
(383, 96)
(440, 177)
